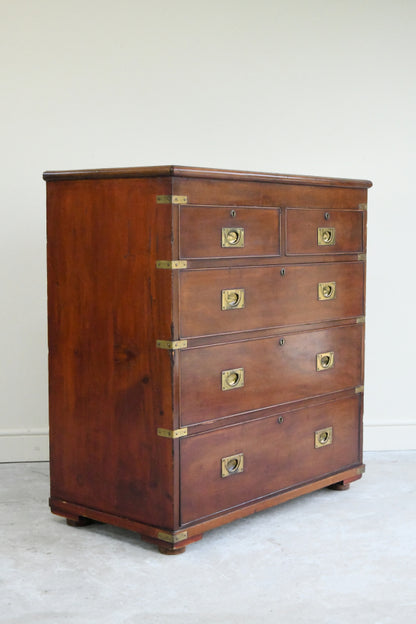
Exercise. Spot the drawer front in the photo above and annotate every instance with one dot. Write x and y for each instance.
(244, 462)
(217, 381)
(216, 301)
(324, 232)
(226, 232)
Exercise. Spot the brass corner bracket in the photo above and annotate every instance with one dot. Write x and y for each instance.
(171, 264)
(172, 538)
(171, 345)
(359, 389)
(171, 199)
(173, 434)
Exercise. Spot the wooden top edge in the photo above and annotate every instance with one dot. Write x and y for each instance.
(202, 172)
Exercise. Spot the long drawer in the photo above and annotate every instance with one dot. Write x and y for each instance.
(247, 461)
(311, 231)
(215, 301)
(220, 380)
(225, 232)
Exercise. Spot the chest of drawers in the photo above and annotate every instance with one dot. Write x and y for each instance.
(206, 337)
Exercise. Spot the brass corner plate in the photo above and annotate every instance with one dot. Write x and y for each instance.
(232, 237)
(171, 264)
(323, 437)
(360, 319)
(233, 299)
(326, 291)
(172, 538)
(362, 257)
(173, 434)
(362, 206)
(359, 389)
(171, 345)
(171, 199)
(232, 379)
(233, 464)
(326, 236)
(325, 361)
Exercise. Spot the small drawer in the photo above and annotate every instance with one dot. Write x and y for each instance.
(275, 370)
(311, 231)
(216, 301)
(227, 232)
(247, 461)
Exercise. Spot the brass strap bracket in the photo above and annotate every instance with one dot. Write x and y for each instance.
(361, 257)
(360, 319)
(359, 389)
(173, 434)
(171, 264)
(171, 199)
(172, 538)
(361, 470)
(171, 345)
(362, 206)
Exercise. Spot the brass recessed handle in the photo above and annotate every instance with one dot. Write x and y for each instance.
(324, 361)
(323, 437)
(231, 379)
(232, 465)
(233, 299)
(326, 236)
(326, 291)
(233, 237)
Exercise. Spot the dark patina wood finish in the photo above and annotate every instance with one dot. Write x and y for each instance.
(189, 394)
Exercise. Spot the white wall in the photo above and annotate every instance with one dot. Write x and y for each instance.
(322, 87)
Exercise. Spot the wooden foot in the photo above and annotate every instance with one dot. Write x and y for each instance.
(167, 551)
(78, 521)
(342, 485)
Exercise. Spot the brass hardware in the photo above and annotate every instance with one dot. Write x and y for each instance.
(361, 470)
(359, 389)
(233, 237)
(326, 236)
(171, 199)
(173, 434)
(232, 379)
(280, 420)
(232, 465)
(323, 437)
(283, 272)
(360, 319)
(326, 216)
(326, 291)
(282, 342)
(361, 257)
(172, 345)
(171, 264)
(362, 206)
(233, 299)
(172, 538)
(324, 361)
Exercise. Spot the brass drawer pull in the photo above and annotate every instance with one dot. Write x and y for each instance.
(326, 236)
(326, 291)
(232, 465)
(232, 379)
(324, 361)
(233, 237)
(323, 437)
(233, 299)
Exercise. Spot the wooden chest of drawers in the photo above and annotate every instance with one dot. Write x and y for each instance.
(206, 334)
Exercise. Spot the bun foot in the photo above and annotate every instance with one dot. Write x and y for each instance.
(78, 521)
(167, 551)
(339, 486)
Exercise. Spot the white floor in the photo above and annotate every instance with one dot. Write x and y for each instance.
(328, 558)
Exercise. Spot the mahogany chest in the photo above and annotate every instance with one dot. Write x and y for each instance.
(206, 343)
